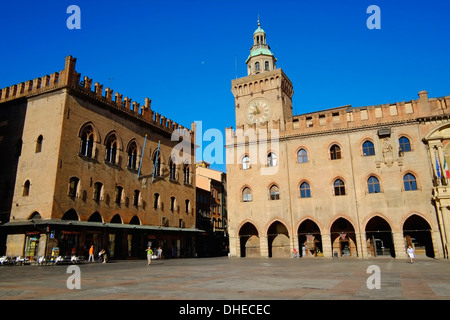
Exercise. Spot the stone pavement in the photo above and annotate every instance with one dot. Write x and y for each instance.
(231, 279)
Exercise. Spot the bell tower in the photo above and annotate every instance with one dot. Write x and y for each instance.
(264, 97)
(261, 59)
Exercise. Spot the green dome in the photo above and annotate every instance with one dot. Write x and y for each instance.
(259, 29)
(258, 51)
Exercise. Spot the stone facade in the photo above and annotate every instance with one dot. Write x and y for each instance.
(342, 182)
(86, 171)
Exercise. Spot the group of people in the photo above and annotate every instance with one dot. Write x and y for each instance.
(151, 256)
(102, 256)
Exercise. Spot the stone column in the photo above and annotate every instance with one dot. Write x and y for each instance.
(361, 245)
(399, 245)
(234, 246)
(264, 246)
(326, 246)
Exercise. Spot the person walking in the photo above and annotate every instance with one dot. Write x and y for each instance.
(410, 252)
(149, 255)
(91, 254)
(159, 251)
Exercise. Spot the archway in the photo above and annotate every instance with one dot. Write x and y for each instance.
(379, 238)
(71, 215)
(95, 217)
(278, 238)
(249, 239)
(343, 238)
(309, 239)
(417, 233)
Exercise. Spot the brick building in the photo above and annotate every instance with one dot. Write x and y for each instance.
(83, 166)
(347, 182)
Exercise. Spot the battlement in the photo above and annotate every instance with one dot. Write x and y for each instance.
(345, 118)
(70, 78)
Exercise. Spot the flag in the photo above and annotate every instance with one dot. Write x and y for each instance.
(447, 172)
(437, 166)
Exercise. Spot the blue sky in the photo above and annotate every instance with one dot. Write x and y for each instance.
(183, 54)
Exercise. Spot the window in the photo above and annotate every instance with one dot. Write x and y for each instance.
(368, 149)
(302, 156)
(118, 195)
(156, 166)
(73, 187)
(98, 188)
(39, 144)
(274, 193)
(339, 188)
(305, 190)
(136, 198)
(246, 195)
(245, 163)
(26, 188)
(187, 206)
(409, 182)
(132, 156)
(373, 185)
(156, 201)
(172, 204)
(335, 152)
(266, 65)
(172, 170)
(87, 142)
(256, 66)
(272, 159)
(186, 173)
(405, 145)
(111, 149)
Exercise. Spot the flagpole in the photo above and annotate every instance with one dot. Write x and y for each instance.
(142, 157)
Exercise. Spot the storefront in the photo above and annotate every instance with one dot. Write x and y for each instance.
(121, 241)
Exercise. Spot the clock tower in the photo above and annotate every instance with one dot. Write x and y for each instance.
(264, 97)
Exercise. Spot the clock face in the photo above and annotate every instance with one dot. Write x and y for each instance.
(258, 111)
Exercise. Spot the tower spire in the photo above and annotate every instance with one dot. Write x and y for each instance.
(261, 59)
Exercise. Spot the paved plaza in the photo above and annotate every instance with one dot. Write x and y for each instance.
(231, 279)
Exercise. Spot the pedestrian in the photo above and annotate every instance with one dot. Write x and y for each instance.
(149, 255)
(91, 254)
(102, 255)
(159, 251)
(410, 252)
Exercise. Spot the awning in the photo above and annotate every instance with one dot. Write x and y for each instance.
(59, 222)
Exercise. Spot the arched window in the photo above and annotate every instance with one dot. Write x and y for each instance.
(132, 156)
(339, 187)
(111, 149)
(246, 194)
(187, 206)
(172, 170)
(26, 188)
(118, 194)
(266, 65)
(373, 185)
(274, 193)
(156, 201)
(172, 204)
(136, 198)
(39, 144)
(256, 66)
(335, 152)
(305, 190)
(186, 173)
(245, 162)
(271, 159)
(302, 156)
(156, 165)
(87, 142)
(404, 144)
(98, 191)
(368, 149)
(409, 182)
(73, 187)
